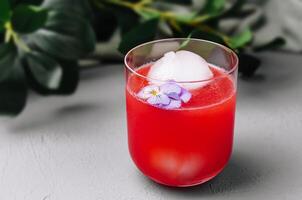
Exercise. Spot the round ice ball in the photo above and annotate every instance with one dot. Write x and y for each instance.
(181, 66)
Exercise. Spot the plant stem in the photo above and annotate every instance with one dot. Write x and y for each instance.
(11, 34)
(209, 29)
(122, 3)
(8, 33)
(144, 3)
(20, 43)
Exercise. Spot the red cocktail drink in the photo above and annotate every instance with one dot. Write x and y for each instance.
(187, 145)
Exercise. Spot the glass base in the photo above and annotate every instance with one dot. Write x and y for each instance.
(189, 185)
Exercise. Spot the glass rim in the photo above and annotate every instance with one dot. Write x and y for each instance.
(234, 67)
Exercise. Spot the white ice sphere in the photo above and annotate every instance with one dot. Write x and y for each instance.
(181, 66)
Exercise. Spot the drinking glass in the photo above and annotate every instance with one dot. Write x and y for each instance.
(181, 145)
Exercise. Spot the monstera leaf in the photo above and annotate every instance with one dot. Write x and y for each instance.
(43, 41)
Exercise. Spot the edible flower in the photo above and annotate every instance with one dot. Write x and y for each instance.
(169, 95)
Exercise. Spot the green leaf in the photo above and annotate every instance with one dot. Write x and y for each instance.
(70, 78)
(127, 19)
(8, 53)
(182, 31)
(78, 7)
(68, 84)
(148, 14)
(101, 17)
(213, 7)
(27, 19)
(188, 18)
(234, 10)
(182, 2)
(4, 11)
(207, 36)
(248, 64)
(14, 3)
(13, 88)
(237, 5)
(44, 69)
(241, 39)
(1, 37)
(273, 44)
(65, 36)
(140, 34)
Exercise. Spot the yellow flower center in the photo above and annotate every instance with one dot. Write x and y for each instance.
(154, 92)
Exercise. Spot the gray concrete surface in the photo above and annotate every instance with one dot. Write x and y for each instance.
(75, 147)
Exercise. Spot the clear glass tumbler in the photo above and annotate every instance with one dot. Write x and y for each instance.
(185, 139)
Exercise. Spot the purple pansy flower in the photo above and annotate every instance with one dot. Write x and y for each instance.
(169, 95)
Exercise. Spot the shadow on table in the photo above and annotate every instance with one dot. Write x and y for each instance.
(242, 173)
(55, 117)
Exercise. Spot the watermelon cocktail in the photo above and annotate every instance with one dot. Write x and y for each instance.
(180, 117)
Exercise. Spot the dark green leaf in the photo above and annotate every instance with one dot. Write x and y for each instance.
(27, 19)
(182, 2)
(8, 53)
(248, 64)
(13, 87)
(213, 7)
(274, 44)
(77, 7)
(237, 5)
(1, 37)
(241, 39)
(1, 31)
(101, 17)
(234, 10)
(13, 93)
(70, 78)
(4, 11)
(186, 30)
(14, 3)
(68, 83)
(44, 69)
(65, 35)
(127, 19)
(140, 34)
(207, 36)
(183, 32)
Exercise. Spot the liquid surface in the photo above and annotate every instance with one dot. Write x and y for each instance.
(186, 146)
(212, 93)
